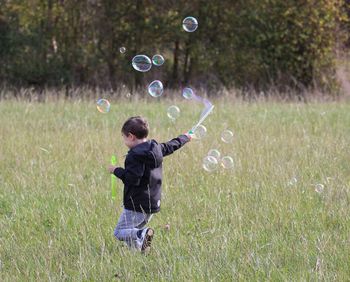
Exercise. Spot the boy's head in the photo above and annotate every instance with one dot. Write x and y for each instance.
(134, 131)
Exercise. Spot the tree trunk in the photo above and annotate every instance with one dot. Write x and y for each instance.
(175, 75)
(187, 59)
(139, 9)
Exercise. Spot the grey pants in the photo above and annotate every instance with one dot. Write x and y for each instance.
(130, 222)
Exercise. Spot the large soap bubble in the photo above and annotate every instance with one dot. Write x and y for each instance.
(210, 163)
(173, 112)
(190, 24)
(227, 136)
(214, 153)
(141, 63)
(200, 132)
(158, 60)
(155, 89)
(227, 162)
(103, 106)
(188, 93)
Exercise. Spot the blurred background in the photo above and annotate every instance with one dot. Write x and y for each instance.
(253, 46)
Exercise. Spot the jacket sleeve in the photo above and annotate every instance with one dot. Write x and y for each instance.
(174, 144)
(132, 173)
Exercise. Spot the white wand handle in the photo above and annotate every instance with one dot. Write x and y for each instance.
(202, 119)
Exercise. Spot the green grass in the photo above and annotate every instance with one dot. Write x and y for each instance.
(57, 216)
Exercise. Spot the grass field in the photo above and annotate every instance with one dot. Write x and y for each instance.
(261, 221)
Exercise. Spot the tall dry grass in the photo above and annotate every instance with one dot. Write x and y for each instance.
(261, 221)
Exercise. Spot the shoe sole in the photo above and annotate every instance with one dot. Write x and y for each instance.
(146, 246)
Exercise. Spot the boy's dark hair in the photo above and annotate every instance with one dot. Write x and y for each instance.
(137, 126)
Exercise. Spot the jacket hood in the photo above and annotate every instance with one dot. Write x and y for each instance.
(149, 152)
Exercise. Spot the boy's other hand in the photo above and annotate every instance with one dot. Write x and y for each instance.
(111, 168)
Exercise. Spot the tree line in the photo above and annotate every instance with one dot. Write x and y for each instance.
(239, 43)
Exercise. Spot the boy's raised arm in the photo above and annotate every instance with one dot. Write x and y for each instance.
(174, 144)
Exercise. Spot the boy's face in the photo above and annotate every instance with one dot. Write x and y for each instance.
(129, 140)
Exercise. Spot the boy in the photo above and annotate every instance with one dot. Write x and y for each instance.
(142, 178)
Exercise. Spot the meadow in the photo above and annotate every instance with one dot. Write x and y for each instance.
(262, 220)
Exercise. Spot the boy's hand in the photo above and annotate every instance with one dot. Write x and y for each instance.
(189, 135)
(111, 168)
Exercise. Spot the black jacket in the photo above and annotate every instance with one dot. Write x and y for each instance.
(142, 175)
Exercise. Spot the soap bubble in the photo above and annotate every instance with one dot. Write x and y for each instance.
(200, 132)
(227, 136)
(187, 93)
(122, 50)
(190, 24)
(227, 162)
(210, 163)
(141, 63)
(319, 188)
(293, 181)
(214, 153)
(158, 60)
(103, 106)
(173, 112)
(155, 89)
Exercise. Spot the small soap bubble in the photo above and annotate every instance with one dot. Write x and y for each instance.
(187, 93)
(227, 136)
(293, 181)
(319, 188)
(190, 24)
(141, 63)
(227, 162)
(158, 60)
(200, 132)
(103, 106)
(214, 153)
(155, 89)
(210, 164)
(122, 50)
(173, 112)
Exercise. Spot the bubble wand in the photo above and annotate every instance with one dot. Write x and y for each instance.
(113, 179)
(202, 119)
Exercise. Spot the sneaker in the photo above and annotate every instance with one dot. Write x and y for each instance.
(147, 235)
